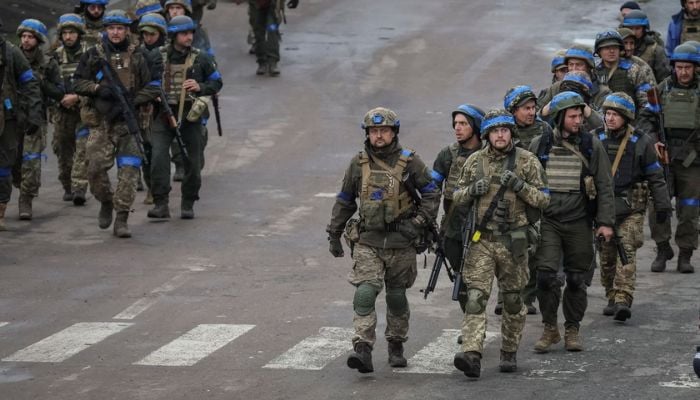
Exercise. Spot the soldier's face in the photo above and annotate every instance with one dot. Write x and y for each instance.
(381, 136)
(28, 41)
(610, 53)
(629, 45)
(463, 131)
(150, 38)
(500, 137)
(96, 10)
(573, 118)
(613, 120)
(685, 72)
(175, 10)
(560, 72)
(692, 7)
(184, 39)
(638, 31)
(576, 64)
(69, 37)
(116, 33)
(525, 114)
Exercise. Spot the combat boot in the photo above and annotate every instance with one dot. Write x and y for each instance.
(149, 198)
(121, 229)
(160, 210)
(572, 340)
(262, 69)
(186, 209)
(104, 219)
(273, 69)
(622, 312)
(361, 359)
(25, 207)
(469, 363)
(609, 309)
(3, 207)
(664, 252)
(508, 362)
(396, 358)
(79, 197)
(179, 173)
(67, 195)
(550, 336)
(684, 266)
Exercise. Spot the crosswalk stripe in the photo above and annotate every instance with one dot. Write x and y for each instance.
(315, 352)
(195, 345)
(68, 342)
(3, 324)
(437, 356)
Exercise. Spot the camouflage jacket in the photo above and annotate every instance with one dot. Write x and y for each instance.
(639, 79)
(598, 94)
(652, 52)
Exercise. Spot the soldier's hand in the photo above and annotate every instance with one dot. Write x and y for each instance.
(661, 217)
(292, 3)
(478, 188)
(191, 85)
(512, 181)
(606, 232)
(69, 100)
(334, 246)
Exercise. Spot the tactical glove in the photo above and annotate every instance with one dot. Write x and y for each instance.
(512, 181)
(334, 246)
(478, 188)
(292, 3)
(661, 216)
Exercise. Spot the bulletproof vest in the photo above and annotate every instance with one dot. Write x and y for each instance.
(121, 63)
(175, 74)
(455, 170)
(508, 207)
(526, 134)
(68, 66)
(680, 108)
(383, 197)
(625, 174)
(620, 80)
(690, 30)
(563, 170)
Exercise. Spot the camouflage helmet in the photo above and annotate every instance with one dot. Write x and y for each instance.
(607, 39)
(473, 113)
(579, 77)
(381, 116)
(116, 17)
(636, 18)
(559, 61)
(186, 4)
(580, 52)
(35, 27)
(620, 102)
(181, 23)
(685, 52)
(516, 96)
(144, 7)
(497, 118)
(73, 21)
(625, 33)
(563, 101)
(96, 2)
(153, 21)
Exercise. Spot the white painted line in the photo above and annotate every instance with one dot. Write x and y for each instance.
(68, 342)
(685, 381)
(326, 195)
(437, 357)
(194, 345)
(315, 352)
(3, 324)
(145, 303)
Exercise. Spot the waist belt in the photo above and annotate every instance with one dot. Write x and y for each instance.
(492, 236)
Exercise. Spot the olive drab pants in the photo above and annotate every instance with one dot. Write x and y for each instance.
(27, 169)
(66, 127)
(618, 280)
(266, 30)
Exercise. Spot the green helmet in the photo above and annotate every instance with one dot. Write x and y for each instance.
(73, 21)
(607, 39)
(625, 33)
(153, 21)
(563, 101)
(516, 96)
(620, 102)
(144, 7)
(497, 118)
(685, 52)
(35, 27)
(116, 17)
(186, 4)
(381, 116)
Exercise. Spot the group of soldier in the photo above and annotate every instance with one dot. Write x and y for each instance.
(124, 86)
(530, 192)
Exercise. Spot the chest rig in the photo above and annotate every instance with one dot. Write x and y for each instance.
(175, 74)
(620, 80)
(563, 170)
(508, 207)
(383, 199)
(68, 64)
(625, 174)
(455, 170)
(680, 107)
(690, 30)
(526, 134)
(122, 65)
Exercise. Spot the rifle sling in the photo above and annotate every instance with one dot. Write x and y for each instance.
(621, 151)
(181, 107)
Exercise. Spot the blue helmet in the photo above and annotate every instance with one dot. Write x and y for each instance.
(155, 21)
(620, 102)
(685, 52)
(580, 52)
(35, 27)
(181, 23)
(473, 113)
(636, 18)
(98, 2)
(144, 7)
(515, 97)
(74, 21)
(497, 118)
(116, 17)
(559, 61)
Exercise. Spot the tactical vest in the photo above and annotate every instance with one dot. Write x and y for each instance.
(383, 197)
(93, 34)
(690, 30)
(620, 80)
(175, 74)
(563, 170)
(510, 206)
(680, 108)
(455, 170)
(625, 174)
(121, 63)
(525, 135)
(67, 66)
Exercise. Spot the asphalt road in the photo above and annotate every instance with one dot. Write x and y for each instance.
(244, 302)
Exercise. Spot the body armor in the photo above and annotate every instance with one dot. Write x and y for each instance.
(455, 170)
(690, 30)
(67, 65)
(93, 33)
(563, 170)
(680, 108)
(620, 81)
(625, 175)
(509, 207)
(526, 134)
(175, 74)
(121, 65)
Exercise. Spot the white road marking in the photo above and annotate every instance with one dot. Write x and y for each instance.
(437, 356)
(315, 352)
(3, 324)
(195, 345)
(326, 195)
(68, 342)
(145, 303)
(286, 222)
(685, 381)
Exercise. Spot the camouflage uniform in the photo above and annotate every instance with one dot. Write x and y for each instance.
(650, 47)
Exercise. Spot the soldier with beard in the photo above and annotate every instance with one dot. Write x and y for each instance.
(647, 44)
(684, 26)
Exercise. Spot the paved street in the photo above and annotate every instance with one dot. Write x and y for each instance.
(245, 302)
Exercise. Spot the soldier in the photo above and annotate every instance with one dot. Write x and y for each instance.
(466, 122)
(386, 233)
(188, 74)
(27, 170)
(21, 102)
(626, 7)
(144, 7)
(559, 68)
(174, 8)
(676, 114)
(507, 179)
(648, 44)
(70, 134)
(577, 168)
(266, 17)
(621, 72)
(637, 173)
(92, 11)
(580, 82)
(198, 9)
(129, 68)
(684, 26)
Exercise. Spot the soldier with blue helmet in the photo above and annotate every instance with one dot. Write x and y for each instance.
(648, 44)
(92, 11)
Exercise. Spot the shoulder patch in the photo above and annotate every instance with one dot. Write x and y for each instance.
(625, 64)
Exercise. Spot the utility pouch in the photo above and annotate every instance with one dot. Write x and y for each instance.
(519, 245)
(373, 215)
(199, 106)
(352, 232)
(638, 195)
(589, 186)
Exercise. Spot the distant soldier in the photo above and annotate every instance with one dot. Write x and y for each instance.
(198, 9)
(684, 26)
(580, 83)
(92, 11)
(559, 67)
(266, 17)
(648, 44)
(626, 7)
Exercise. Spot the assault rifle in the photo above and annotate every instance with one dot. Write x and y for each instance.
(174, 124)
(617, 241)
(466, 246)
(661, 147)
(217, 112)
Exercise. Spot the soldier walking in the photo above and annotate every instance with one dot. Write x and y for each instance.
(266, 16)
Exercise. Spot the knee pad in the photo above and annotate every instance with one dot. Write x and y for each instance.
(547, 280)
(476, 301)
(512, 302)
(576, 280)
(365, 296)
(396, 301)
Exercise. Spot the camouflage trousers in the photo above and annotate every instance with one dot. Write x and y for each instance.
(26, 173)
(79, 172)
(617, 279)
(487, 259)
(105, 144)
(65, 125)
(395, 268)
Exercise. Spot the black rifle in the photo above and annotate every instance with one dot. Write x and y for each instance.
(125, 105)
(217, 113)
(654, 100)
(174, 124)
(617, 241)
(468, 231)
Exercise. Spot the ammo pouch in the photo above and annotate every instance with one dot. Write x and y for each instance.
(519, 245)
(372, 213)
(589, 187)
(352, 232)
(199, 106)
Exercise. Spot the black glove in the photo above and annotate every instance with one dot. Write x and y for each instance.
(105, 92)
(292, 3)
(661, 216)
(334, 246)
(478, 188)
(512, 181)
